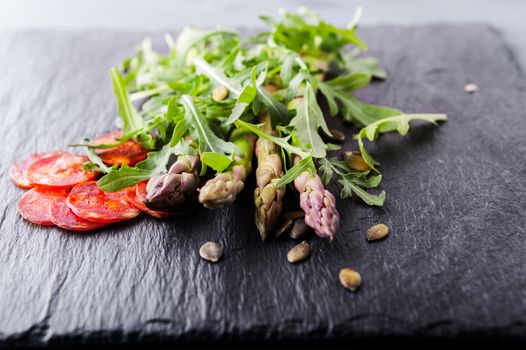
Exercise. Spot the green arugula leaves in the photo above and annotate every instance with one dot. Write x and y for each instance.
(307, 122)
(398, 123)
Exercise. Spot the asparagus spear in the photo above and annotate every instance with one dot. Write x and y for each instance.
(176, 190)
(225, 186)
(318, 204)
(267, 197)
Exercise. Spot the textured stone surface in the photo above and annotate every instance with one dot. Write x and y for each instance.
(454, 264)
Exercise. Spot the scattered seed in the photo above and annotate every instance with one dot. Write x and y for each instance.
(470, 88)
(350, 279)
(295, 214)
(298, 229)
(271, 88)
(377, 232)
(284, 227)
(355, 161)
(299, 252)
(219, 93)
(336, 136)
(211, 251)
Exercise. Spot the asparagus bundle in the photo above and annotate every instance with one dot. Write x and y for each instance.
(203, 100)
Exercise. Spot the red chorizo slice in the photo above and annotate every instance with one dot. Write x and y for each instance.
(60, 170)
(35, 205)
(129, 153)
(63, 217)
(89, 202)
(18, 171)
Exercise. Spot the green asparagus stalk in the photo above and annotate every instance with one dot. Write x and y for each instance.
(224, 187)
(267, 197)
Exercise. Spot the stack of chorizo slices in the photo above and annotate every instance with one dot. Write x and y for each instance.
(61, 192)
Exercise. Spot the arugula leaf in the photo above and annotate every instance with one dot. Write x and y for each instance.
(97, 161)
(352, 181)
(277, 110)
(307, 122)
(190, 37)
(311, 36)
(218, 76)
(298, 168)
(248, 94)
(369, 65)
(179, 131)
(132, 121)
(352, 110)
(208, 141)
(280, 141)
(398, 123)
(218, 162)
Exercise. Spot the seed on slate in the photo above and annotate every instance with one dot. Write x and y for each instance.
(299, 252)
(355, 161)
(298, 229)
(211, 251)
(284, 227)
(296, 214)
(219, 93)
(376, 232)
(470, 88)
(350, 279)
(336, 136)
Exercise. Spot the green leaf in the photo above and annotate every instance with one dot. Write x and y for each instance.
(300, 167)
(248, 94)
(398, 123)
(132, 121)
(277, 110)
(287, 67)
(218, 162)
(349, 187)
(190, 37)
(352, 110)
(346, 84)
(96, 160)
(179, 131)
(351, 181)
(208, 141)
(307, 122)
(123, 177)
(280, 141)
(369, 65)
(218, 76)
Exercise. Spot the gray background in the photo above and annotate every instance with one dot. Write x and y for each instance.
(507, 15)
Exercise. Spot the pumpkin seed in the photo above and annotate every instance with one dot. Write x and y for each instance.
(295, 214)
(350, 279)
(211, 251)
(470, 88)
(355, 161)
(299, 252)
(284, 227)
(219, 93)
(336, 136)
(298, 229)
(376, 232)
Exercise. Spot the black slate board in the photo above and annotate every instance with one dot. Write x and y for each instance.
(453, 266)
